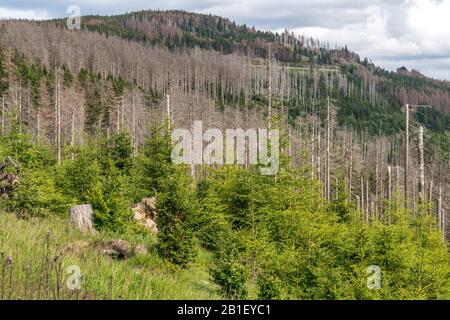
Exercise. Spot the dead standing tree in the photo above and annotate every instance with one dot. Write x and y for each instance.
(329, 117)
(406, 153)
(269, 85)
(327, 157)
(57, 116)
(421, 167)
(408, 109)
(3, 114)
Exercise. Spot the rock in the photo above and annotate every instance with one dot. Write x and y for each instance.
(117, 249)
(151, 225)
(140, 250)
(111, 253)
(145, 213)
(139, 213)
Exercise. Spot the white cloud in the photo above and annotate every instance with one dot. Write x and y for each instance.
(6, 13)
(418, 37)
(390, 32)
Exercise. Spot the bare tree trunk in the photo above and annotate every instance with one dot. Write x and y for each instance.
(397, 178)
(421, 167)
(389, 183)
(350, 173)
(319, 164)
(439, 207)
(38, 138)
(57, 118)
(382, 185)
(20, 106)
(337, 188)
(269, 80)
(28, 104)
(169, 111)
(373, 209)
(55, 133)
(443, 224)
(362, 194)
(122, 112)
(3, 114)
(290, 143)
(72, 134)
(135, 147)
(118, 117)
(313, 139)
(367, 200)
(59, 127)
(300, 138)
(328, 152)
(430, 196)
(377, 183)
(406, 155)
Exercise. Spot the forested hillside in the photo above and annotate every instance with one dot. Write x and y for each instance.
(86, 118)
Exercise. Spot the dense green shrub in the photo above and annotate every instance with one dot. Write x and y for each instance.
(269, 287)
(176, 212)
(228, 269)
(156, 163)
(36, 195)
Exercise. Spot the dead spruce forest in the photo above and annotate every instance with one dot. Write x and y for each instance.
(86, 115)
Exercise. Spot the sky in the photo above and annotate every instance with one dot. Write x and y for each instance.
(391, 33)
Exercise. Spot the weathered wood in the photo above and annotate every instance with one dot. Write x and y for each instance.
(430, 196)
(350, 174)
(439, 207)
(133, 110)
(72, 134)
(389, 183)
(313, 140)
(362, 195)
(81, 217)
(38, 124)
(327, 179)
(443, 225)
(19, 116)
(406, 154)
(397, 179)
(319, 163)
(3, 114)
(168, 110)
(367, 200)
(421, 167)
(269, 85)
(57, 117)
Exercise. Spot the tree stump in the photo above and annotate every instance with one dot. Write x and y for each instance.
(81, 217)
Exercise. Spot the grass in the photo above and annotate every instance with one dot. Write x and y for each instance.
(35, 255)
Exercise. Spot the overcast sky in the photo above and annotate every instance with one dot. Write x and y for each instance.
(392, 33)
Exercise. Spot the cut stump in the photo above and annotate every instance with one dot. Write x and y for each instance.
(81, 217)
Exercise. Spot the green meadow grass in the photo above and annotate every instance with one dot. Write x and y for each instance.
(35, 258)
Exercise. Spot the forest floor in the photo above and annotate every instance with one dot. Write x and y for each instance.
(40, 259)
